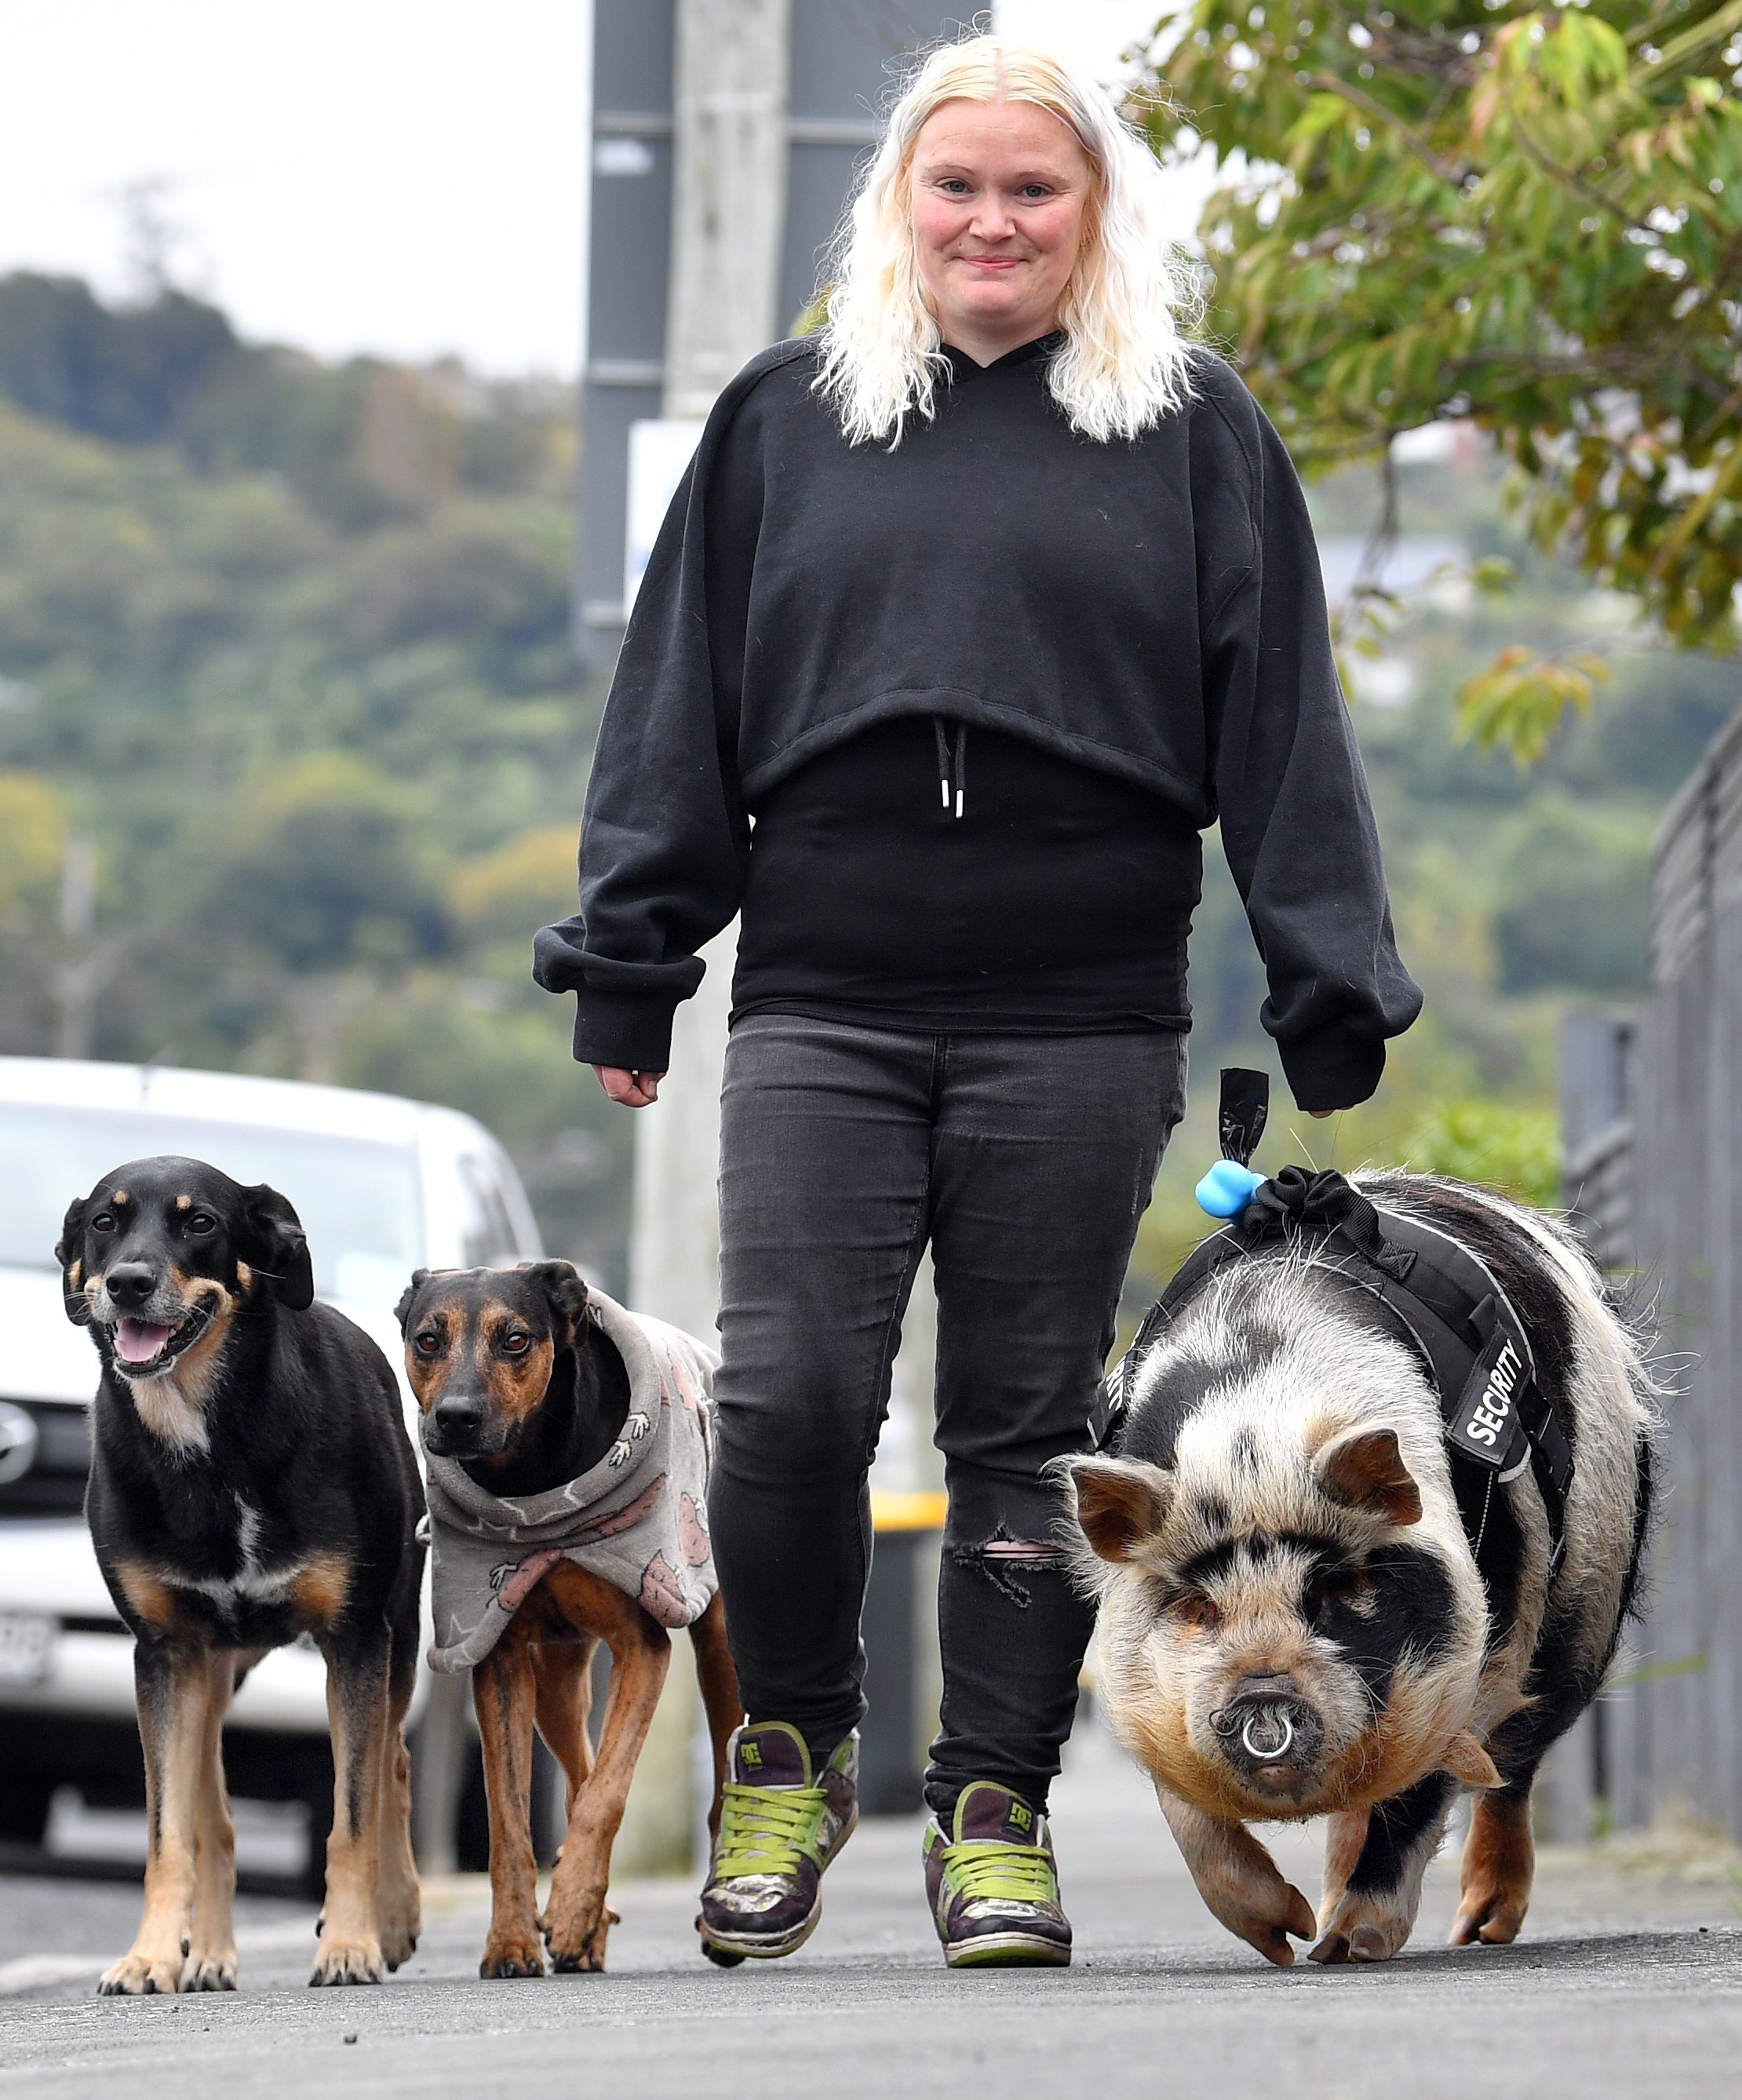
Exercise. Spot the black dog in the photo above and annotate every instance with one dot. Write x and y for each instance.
(251, 1481)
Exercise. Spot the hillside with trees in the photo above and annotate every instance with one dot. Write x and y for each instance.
(292, 739)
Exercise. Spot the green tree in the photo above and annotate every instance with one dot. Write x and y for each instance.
(1515, 1150)
(124, 372)
(322, 870)
(1525, 216)
(33, 851)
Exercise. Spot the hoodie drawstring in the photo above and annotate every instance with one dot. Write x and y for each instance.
(952, 771)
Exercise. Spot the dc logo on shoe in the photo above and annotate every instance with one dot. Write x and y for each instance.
(751, 1754)
(1021, 1817)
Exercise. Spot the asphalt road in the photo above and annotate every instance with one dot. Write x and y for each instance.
(1629, 1981)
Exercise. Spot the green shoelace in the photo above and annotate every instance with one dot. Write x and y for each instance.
(983, 1872)
(768, 1830)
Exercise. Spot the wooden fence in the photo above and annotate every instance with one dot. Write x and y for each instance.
(1652, 1126)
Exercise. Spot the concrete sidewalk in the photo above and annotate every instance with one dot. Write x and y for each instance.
(1630, 1980)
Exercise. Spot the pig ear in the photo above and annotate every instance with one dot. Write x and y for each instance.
(1120, 1502)
(1363, 1469)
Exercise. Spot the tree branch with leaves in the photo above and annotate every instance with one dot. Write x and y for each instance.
(1526, 217)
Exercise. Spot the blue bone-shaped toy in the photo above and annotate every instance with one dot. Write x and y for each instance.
(1227, 1188)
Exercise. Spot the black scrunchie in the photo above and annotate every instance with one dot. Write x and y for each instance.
(1301, 1202)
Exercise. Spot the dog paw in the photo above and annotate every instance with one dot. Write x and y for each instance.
(587, 1961)
(347, 1961)
(575, 1931)
(400, 1925)
(210, 1969)
(1360, 1929)
(137, 1975)
(506, 1955)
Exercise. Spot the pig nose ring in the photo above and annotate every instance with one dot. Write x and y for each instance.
(1268, 1736)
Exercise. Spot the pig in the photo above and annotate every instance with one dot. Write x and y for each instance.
(1292, 1619)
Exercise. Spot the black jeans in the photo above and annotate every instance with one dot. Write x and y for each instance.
(1026, 1162)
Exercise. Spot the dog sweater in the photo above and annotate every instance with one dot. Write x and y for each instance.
(638, 1518)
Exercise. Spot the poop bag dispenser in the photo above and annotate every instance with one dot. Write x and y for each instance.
(1244, 1108)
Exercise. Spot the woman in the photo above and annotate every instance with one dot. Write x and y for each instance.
(971, 614)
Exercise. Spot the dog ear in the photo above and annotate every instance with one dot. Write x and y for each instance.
(70, 1251)
(277, 1248)
(566, 1292)
(1120, 1502)
(402, 1311)
(1364, 1470)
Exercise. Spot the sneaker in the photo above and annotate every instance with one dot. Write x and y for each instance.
(994, 1887)
(777, 1832)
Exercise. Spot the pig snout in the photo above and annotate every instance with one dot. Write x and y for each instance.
(1269, 1734)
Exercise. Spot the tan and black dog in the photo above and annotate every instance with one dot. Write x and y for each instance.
(522, 1390)
(251, 1482)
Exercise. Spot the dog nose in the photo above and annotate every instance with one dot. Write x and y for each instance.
(129, 1282)
(458, 1417)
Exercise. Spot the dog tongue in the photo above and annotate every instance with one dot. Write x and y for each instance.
(137, 1341)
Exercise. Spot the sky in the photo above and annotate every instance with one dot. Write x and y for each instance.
(407, 176)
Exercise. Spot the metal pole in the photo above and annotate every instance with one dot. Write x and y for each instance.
(728, 211)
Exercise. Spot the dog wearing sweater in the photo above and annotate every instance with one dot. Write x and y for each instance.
(568, 1443)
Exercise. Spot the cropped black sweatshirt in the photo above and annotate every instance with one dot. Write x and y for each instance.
(1152, 610)
(948, 881)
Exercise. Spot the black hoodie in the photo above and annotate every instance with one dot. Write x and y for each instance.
(1152, 611)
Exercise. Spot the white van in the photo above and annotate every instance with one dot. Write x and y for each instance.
(382, 1186)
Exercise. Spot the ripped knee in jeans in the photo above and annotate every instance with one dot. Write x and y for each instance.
(1003, 1560)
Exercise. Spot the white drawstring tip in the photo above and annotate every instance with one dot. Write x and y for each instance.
(943, 789)
(958, 802)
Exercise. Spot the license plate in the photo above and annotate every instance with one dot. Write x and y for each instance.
(27, 1647)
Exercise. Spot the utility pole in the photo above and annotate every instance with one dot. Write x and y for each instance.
(728, 210)
(724, 137)
(729, 199)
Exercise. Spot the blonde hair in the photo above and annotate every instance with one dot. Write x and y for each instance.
(1123, 365)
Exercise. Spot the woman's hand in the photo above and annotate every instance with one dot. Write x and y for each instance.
(632, 1090)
